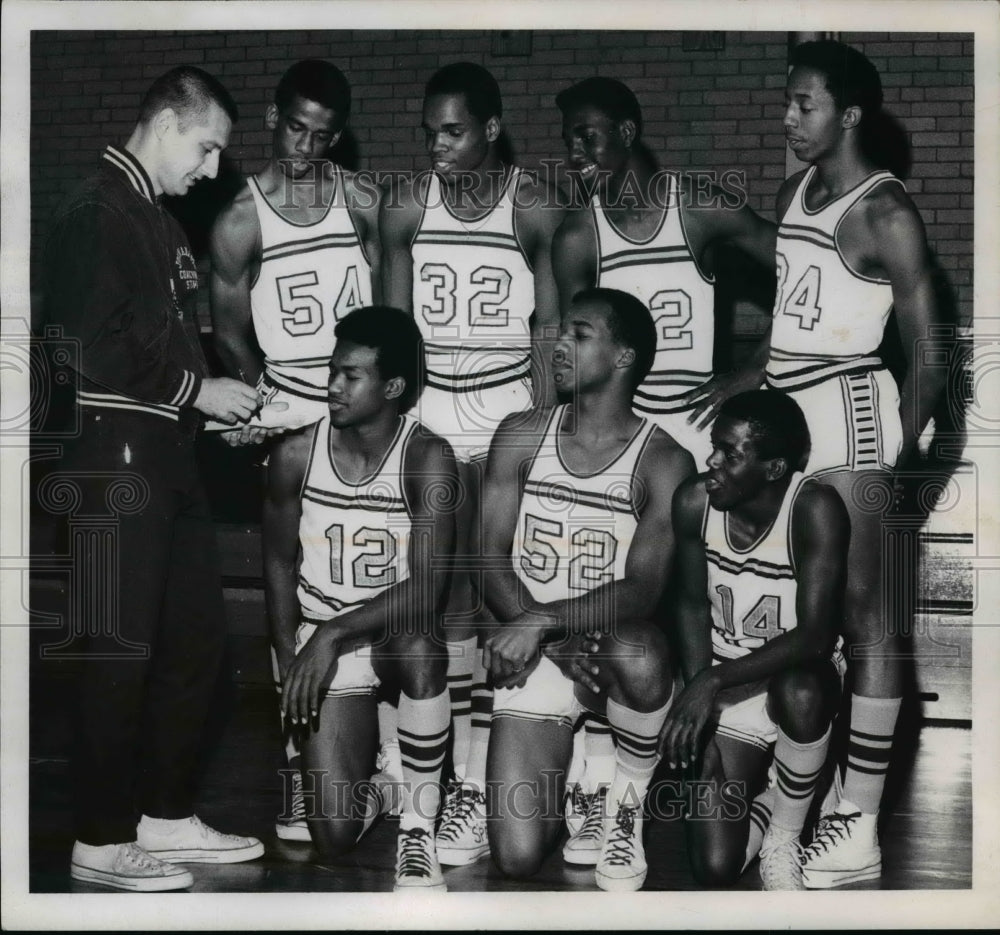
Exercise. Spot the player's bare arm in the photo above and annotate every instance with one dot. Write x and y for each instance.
(511, 451)
(432, 492)
(820, 534)
(363, 202)
(574, 255)
(537, 215)
(898, 251)
(399, 218)
(235, 250)
(282, 510)
(709, 226)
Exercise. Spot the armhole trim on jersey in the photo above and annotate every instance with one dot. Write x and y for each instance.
(887, 177)
(342, 188)
(412, 427)
(556, 414)
(422, 202)
(791, 514)
(595, 226)
(322, 426)
(710, 280)
(644, 445)
(519, 174)
(704, 515)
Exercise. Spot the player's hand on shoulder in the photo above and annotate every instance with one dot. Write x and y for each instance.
(709, 397)
(227, 400)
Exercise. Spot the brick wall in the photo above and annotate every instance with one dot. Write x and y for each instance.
(718, 110)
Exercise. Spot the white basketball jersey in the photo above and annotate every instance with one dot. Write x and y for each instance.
(661, 271)
(574, 531)
(751, 591)
(473, 294)
(354, 537)
(311, 276)
(828, 319)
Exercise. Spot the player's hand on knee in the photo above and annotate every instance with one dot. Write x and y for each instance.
(308, 678)
(574, 662)
(508, 652)
(227, 400)
(682, 730)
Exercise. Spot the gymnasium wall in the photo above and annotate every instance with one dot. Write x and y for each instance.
(702, 109)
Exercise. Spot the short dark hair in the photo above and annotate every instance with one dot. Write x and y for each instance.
(396, 338)
(851, 79)
(474, 83)
(318, 81)
(630, 324)
(777, 426)
(188, 91)
(607, 95)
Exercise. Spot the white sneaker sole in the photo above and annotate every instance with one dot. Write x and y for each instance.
(580, 857)
(175, 881)
(620, 884)
(462, 857)
(828, 879)
(196, 855)
(294, 832)
(441, 887)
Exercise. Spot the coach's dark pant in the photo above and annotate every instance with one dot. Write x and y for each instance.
(147, 593)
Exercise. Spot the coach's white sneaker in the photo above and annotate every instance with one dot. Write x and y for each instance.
(781, 860)
(417, 865)
(621, 867)
(126, 867)
(461, 837)
(584, 847)
(291, 824)
(844, 850)
(190, 840)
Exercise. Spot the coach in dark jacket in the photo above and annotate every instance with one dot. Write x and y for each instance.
(120, 279)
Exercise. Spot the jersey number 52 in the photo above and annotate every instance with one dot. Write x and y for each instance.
(591, 553)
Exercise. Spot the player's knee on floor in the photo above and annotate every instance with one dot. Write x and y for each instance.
(717, 866)
(334, 837)
(803, 701)
(519, 861)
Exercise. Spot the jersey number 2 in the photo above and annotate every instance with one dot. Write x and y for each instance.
(671, 331)
(303, 312)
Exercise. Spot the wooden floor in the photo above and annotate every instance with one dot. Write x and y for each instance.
(926, 833)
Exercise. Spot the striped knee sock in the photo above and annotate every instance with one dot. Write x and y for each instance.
(461, 659)
(873, 722)
(479, 729)
(423, 742)
(798, 766)
(599, 753)
(636, 735)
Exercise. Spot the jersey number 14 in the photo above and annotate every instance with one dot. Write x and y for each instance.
(762, 622)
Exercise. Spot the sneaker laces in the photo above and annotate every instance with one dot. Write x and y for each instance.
(619, 849)
(831, 830)
(781, 864)
(414, 853)
(297, 812)
(132, 854)
(593, 824)
(459, 803)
